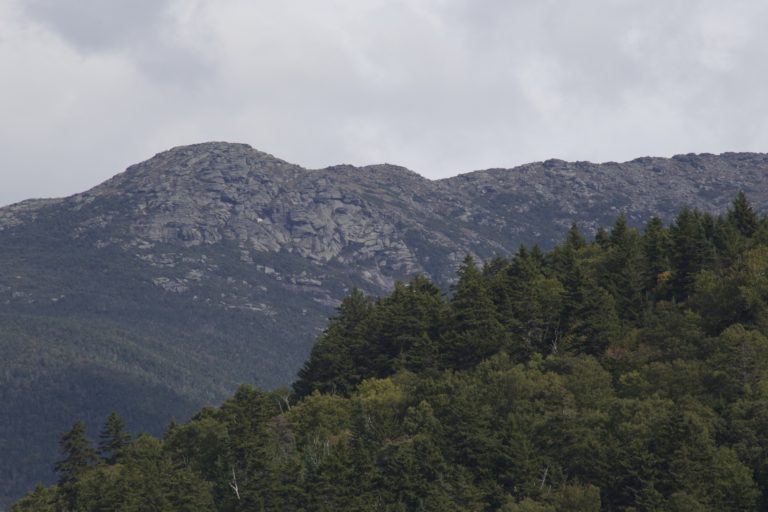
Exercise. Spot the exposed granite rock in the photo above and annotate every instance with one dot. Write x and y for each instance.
(381, 222)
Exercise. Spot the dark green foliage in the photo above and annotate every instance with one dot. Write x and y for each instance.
(742, 216)
(625, 374)
(622, 272)
(691, 251)
(590, 313)
(42, 499)
(407, 328)
(657, 270)
(113, 439)
(90, 333)
(334, 365)
(474, 331)
(78, 455)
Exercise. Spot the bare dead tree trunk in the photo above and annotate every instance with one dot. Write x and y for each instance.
(283, 398)
(233, 484)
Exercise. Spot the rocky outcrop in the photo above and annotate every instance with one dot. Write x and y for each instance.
(379, 223)
(382, 222)
(385, 222)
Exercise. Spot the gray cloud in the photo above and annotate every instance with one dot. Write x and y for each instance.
(100, 25)
(441, 86)
(145, 32)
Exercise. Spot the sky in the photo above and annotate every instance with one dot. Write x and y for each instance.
(89, 87)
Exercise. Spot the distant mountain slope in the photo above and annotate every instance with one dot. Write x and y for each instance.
(216, 264)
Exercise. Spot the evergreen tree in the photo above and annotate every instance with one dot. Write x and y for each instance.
(531, 305)
(246, 416)
(404, 329)
(41, 499)
(78, 457)
(113, 438)
(338, 360)
(574, 239)
(602, 238)
(622, 272)
(589, 312)
(692, 250)
(474, 331)
(656, 246)
(742, 216)
(729, 242)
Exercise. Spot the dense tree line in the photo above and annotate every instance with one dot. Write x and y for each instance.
(626, 373)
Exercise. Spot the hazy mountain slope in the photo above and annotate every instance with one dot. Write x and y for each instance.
(215, 264)
(537, 202)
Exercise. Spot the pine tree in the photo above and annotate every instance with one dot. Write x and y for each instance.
(531, 307)
(589, 311)
(408, 325)
(622, 273)
(246, 416)
(474, 331)
(563, 255)
(78, 457)
(620, 233)
(602, 238)
(656, 246)
(743, 216)
(574, 239)
(338, 361)
(394, 328)
(41, 499)
(691, 251)
(113, 438)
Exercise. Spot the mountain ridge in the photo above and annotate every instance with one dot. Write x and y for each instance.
(548, 163)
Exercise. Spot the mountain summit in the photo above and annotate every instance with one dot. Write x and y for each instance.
(215, 264)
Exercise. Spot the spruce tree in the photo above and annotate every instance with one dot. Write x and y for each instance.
(408, 326)
(574, 238)
(78, 457)
(691, 251)
(743, 216)
(622, 275)
(474, 330)
(338, 360)
(531, 307)
(113, 438)
(656, 247)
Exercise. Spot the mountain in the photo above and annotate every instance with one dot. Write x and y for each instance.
(215, 264)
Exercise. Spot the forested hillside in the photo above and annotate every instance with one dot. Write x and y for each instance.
(213, 265)
(624, 373)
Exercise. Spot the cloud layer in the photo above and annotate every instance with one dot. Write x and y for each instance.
(440, 86)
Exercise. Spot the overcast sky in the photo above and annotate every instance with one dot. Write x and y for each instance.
(88, 87)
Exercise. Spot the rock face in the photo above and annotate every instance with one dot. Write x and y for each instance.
(216, 264)
(384, 221)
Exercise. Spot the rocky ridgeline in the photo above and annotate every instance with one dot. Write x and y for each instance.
(382, 222)
(542, 195)
(205, 194)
